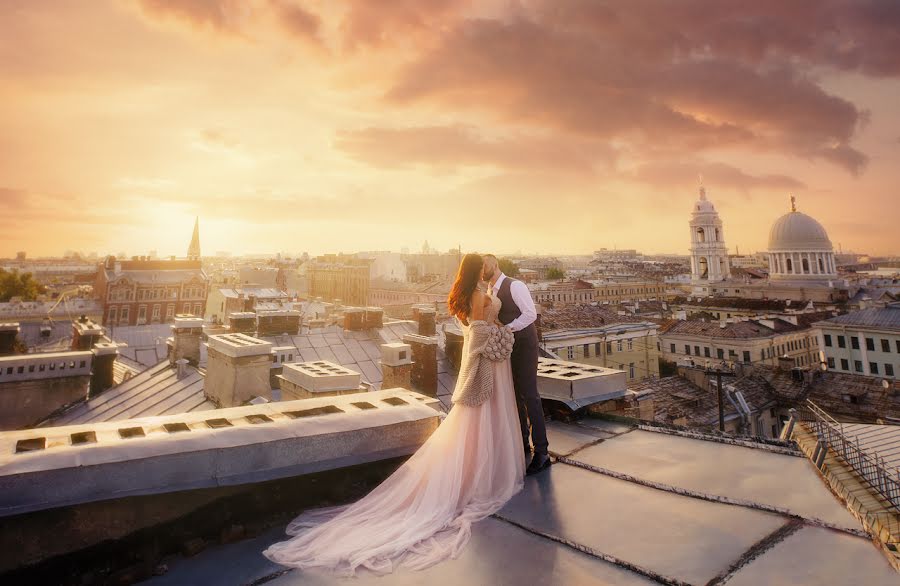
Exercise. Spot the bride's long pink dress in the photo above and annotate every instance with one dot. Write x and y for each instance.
(422, 514)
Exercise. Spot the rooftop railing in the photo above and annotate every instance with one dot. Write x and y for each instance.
(883, 477)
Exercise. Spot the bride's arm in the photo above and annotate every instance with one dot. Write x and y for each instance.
(479, 302)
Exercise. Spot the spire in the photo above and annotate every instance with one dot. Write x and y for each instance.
(194, 248)
(793, 204)
(702, 189)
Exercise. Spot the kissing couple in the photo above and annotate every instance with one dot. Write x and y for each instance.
(470, 466)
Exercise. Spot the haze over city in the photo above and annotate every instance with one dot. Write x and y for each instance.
(537, 126)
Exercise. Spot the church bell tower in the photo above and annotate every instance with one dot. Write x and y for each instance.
(709, 255)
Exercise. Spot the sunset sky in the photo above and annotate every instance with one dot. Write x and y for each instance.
(534, 125)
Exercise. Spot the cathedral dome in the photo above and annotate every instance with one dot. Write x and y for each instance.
(795, 231)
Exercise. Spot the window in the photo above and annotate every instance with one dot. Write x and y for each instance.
(142, 313)
(889, 370)
(898, 346)
(631, 370)
(885, 345)
(672, 348)
(113, 314)
(870, 344)
(170, 312)
(570, 352)
(720, 353)
(30, 368)
(687, 349)
(746, 356)
(806, 265)
(762, 354)
(9, 370)
(857, 365)
(609, 348)
(706, 351)
(830, 362)
(828, 340)
(123, 315)
(291, 356)
(873, 368)
(842, 343)
(155, 312)
(20, 370)
(598, 349)
(83, 364)
(844, 364)
(618, 345)
(587, 350)
(696, 350)
(854, 342)
(198, 310)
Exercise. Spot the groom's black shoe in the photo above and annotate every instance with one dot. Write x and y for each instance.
(540, 463)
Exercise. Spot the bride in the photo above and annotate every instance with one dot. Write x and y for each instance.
(469, 467)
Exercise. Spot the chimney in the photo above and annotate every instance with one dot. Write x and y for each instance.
(785, 363)
(181, 368)
(396, 365)
(105, 354)
(8, 333)
(242, 322)
(453, 345)
(237, 369)
(426, 317)
(278, 322)
(424, 369)
(306, 380)
(85, 333)
(354, 319)
(187, 332)
(374, 318)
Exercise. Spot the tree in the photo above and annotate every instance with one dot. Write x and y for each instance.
(14, 284)
(509, 268)
(555, 273)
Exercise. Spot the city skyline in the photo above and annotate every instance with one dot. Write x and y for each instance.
(535, 126)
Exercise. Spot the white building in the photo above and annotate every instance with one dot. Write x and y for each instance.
(865, 342)
(709, 255)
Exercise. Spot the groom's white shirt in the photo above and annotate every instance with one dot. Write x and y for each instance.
(523, 300)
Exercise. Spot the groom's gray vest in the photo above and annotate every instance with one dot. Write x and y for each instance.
(510, 311)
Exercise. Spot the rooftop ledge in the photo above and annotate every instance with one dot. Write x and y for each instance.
(60, 466)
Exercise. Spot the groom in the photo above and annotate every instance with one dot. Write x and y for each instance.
(518, 313)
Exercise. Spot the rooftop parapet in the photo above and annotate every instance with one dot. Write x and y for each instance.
(60, 466)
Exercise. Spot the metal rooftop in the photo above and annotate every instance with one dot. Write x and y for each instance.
(626, 504)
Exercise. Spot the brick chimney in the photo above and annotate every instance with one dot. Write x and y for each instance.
(354, 319)
(8, 333)
(374, 318)
(278, 322)
(187, 332)
(237, 369)
(424, 369)
(105, 354)
(396, 365)
(453, 346)
(242, 322)
(785, 363)
(85, 333)
(425, 316)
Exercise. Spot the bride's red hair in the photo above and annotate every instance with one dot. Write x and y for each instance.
(459, 303)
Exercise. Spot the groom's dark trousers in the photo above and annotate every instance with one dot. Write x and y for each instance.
(524, 363)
